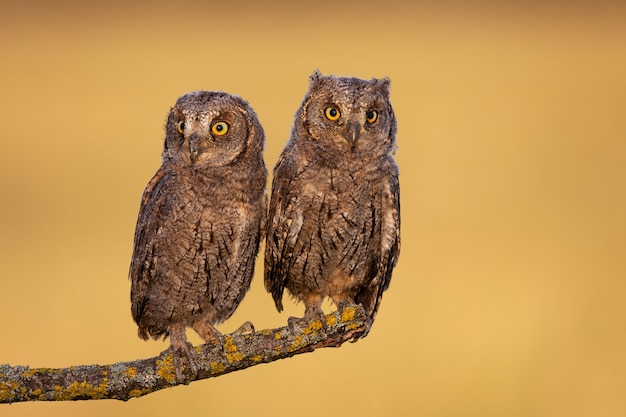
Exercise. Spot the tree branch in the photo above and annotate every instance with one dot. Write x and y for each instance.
(125, 380)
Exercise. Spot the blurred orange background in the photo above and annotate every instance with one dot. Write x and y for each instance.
(508, 299)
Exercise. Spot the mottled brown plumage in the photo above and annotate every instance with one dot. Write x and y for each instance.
(334, 219)
(200, 221)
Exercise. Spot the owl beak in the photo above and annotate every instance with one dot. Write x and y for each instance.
(351, 133)
(195, 143)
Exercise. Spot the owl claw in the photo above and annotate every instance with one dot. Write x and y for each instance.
(368, 325)
(292, 324)
(247, 327)
(181, 349)
(362, 334)
(341, 305)
(208, 332)
(310, 314)
(182, 355)
(313, 313)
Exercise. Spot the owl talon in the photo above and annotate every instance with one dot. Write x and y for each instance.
(341, 305)
(247, 327)
(220, 339)
(181, 349)
(311, 314)
(314, 313)
(292, 324)
(208, 332)
(321, 317)
(184, 355)
(362, 334)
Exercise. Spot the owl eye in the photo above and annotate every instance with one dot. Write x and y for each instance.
(219, 128)
(180, 126)
(371, 116)
(332, 113)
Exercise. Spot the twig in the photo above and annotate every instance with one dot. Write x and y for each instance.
(125, 380)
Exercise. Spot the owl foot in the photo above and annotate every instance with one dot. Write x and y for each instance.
(181, 349)
(341, 306)
(206, 331)
(247, 327)
(311, 313)
(182, 354)
(314, 313)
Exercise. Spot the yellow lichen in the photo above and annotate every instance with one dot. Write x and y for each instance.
(297, 344)
(348, 314)
(216, 367)
(229, 344)
(136, 393)
(314, 326)
(8, 386)
(7, 390)
(352, 326)
(257, 358)
(130, 372)
(234, 357)
(231, 350)
(277, 336)
(28, 373)
(165, 369)
(331, 320)
(81, 389)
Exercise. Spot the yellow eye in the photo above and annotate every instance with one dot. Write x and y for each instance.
(332, 113)
(371, 116)
(219, 128)
(180, 126)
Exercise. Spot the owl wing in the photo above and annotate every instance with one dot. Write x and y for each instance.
(230, 262)
(284, 222)
(145, 232)
(371, 294)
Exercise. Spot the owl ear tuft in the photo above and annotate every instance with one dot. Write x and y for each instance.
(383, 84)
(315, 77)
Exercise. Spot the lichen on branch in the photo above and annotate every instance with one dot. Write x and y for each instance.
(126, 380)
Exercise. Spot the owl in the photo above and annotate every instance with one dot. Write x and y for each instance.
(333, 228)
(200, 220)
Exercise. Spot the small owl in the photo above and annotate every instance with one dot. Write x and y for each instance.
(334, 219)
(199, 223)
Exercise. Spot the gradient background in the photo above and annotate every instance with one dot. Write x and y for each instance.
(509, 297)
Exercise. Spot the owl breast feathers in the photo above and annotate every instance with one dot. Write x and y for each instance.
(334, 219)
(199, 223)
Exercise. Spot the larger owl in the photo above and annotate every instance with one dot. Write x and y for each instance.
(199, 223)
(334, 218)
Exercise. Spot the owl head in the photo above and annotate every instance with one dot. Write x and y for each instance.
(348, 117)
(206, 128)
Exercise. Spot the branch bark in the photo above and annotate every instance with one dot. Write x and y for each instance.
(126, 380)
